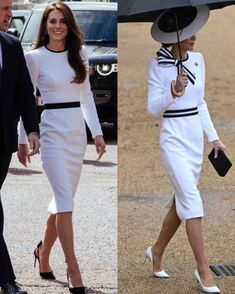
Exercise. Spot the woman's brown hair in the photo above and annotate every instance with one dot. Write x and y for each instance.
(73, 41)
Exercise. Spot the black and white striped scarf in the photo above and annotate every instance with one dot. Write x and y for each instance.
(165, 57)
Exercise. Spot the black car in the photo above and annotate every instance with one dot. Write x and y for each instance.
(98, 22)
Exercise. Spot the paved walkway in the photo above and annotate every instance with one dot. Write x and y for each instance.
(26, 194)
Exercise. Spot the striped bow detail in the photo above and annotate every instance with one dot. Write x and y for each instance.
(164, 57)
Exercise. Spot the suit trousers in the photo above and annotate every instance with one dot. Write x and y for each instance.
(6, 270)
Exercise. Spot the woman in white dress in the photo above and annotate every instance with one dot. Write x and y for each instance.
(185, 119)
(58, 65)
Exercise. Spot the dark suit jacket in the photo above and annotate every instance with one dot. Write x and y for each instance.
(16, 94)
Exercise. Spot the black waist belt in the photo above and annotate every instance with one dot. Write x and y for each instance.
(180, 112)
(61, 105)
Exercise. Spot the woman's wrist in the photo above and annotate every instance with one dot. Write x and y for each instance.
(98, 136)
(174, 91)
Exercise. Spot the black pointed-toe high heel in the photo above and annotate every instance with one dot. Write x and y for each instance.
(76, 290)
(45, 275)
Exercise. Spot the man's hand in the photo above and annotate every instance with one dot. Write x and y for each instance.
(23, 151)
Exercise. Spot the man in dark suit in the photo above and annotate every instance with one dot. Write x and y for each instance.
(16, 98)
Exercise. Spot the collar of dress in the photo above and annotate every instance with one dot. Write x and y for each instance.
(165, 58)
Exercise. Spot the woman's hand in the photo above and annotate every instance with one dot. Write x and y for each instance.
(23, 154)
(218, 145)
(181, 81)
(100, 146)
(34, 143)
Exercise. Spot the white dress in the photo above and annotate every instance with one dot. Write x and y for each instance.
(62, 131)
(181, 137)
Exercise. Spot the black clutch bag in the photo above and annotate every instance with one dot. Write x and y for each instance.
(221, 164)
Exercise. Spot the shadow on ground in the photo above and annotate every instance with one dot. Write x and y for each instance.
(23, 171)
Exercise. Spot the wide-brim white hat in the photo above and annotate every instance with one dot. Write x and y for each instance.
(190, 21)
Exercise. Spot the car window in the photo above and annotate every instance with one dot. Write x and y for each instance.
(98, 26)
(17, 23)
(31, 31)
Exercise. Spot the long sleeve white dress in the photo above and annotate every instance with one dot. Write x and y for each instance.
(62, 131)
(181, 137)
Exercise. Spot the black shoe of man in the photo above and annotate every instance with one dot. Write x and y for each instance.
(12, 288)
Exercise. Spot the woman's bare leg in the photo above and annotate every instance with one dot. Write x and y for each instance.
(170, 225)
(50, 237)
(194, 232)
(64, 227)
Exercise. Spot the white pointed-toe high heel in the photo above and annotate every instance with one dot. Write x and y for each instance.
(149, 255)
(213, 289)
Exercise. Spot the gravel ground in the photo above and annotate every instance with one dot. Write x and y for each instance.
(143, 184)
